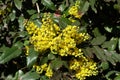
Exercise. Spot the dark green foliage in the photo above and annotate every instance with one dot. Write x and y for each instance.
(101, 20)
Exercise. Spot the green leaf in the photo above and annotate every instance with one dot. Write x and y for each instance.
(117, 6)
(106, 44)
(18, 44)
(31, 12)
(119, 44)
(18, 4)
(62, 7)
(12, 15)
(109, 57)
(37, 22)
(30, 76)
(18, 74)
(108, 29)
(110, 73)
(63, 22)
(3, 49)
(92, 3)
(111, 45)
(96, 32)
(51, 56)
(32, 57)
(34, 1)
(49, 4)
(22, 33)
(117, 78)
(115, 56)
(99, 53)
(9, 54)
(85, 7)
(56, 64)
(76, 23)
(43, 60)
(21, 23)
(26, 42)
(44, 78)
(105, 65)
(88, 52)
(98, 40)
(34, 16)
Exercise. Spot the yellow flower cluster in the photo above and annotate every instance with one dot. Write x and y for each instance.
(65, 43)
(41, 37)
(44, 68)
(62, 42)
(32, 29)
(49, 36)
(83, 67)
(74, 10)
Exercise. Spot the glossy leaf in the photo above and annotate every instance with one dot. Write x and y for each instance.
(119, 44)
(117, 78)
(43, 60)
(98, 40)
(12, 15)
(76, 23)
(108, 29)
(22, 34)
(62, 7)
(85, 7)
(111, 45)
(18, 44)
(18, 74)
(51, 56)
(92, 3)
(110, 73)
(99, 53)
(37, 22)
(9, 54)
(18, 4)
(56, 64)
(21, 23)
(63, 22)
(96, 32)
(30, 76)
(49, 4)
(88, 52)
(44, 78)
(115, 56)
(32, 57)
(31, 12)
(109, 57)
(34, 16)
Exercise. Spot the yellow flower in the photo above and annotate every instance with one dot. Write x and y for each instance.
(42, 37)
(31, 27)
(83, 67)
(46, 68)
(27, 50)
(38, 69)
(71, 19)
(77, 3)
(49, 72)
(74, 11)
(49, 36)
